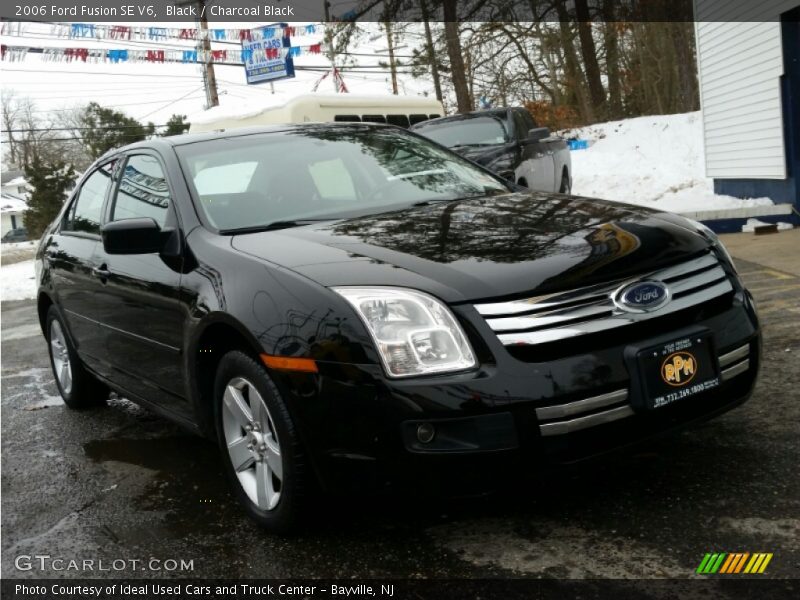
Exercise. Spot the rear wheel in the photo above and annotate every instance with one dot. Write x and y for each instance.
(261, 451)
(78, 388)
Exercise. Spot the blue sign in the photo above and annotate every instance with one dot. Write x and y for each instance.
(258, 67)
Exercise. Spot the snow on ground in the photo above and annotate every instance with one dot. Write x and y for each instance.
(17, 281)
(653, 161)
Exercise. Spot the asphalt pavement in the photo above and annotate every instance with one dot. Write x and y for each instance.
(120, 483)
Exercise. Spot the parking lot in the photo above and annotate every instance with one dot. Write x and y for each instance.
(121, 483)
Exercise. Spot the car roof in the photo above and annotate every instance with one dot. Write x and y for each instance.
(192, 138)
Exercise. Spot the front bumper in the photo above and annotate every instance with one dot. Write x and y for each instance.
(510, 418)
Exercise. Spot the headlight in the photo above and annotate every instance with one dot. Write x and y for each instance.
(707, 233)
(415, 334)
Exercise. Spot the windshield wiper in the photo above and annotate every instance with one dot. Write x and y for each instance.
(272, 226)
(486, 194)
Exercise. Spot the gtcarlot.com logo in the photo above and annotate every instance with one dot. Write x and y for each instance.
(731, 563)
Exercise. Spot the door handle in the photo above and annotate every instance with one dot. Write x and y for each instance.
(102, 272)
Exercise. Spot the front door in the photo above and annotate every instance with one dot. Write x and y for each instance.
(139, 305)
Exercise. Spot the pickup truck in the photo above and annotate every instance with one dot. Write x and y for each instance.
(509, 142)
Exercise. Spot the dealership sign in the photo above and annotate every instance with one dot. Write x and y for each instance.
(268, 58)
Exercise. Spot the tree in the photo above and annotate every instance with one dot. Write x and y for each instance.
(457, 70)
(103, 129)
(176, 125)
(50, 183)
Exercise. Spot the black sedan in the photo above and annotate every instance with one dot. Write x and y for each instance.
(349, 307)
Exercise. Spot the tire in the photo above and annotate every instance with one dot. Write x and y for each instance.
(263, 456)
(566, 184)
(78, 388)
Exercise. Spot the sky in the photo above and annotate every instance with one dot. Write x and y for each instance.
(152, 92)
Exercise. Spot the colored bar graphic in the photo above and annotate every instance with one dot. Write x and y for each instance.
(734, 562)
(764, 564)
(740, 564)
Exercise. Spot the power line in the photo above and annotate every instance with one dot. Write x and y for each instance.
(74, 128)
(171, 103)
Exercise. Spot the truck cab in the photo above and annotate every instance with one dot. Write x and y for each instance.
(509, 142)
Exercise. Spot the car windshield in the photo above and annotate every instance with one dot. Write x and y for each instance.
(316, 173)
(475, 131)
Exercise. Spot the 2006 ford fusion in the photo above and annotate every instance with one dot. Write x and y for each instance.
(352, 306)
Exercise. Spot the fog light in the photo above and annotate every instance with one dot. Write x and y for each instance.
(426, 433)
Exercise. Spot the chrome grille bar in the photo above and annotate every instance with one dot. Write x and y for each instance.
(591, 309)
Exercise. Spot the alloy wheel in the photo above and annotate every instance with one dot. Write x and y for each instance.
(60, 353)
(252, 442)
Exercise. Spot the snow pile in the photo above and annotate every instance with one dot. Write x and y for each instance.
(751, 225)
(17, 281)
(652, 161)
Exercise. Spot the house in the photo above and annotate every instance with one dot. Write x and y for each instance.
(748, 58)
(12, 211)
(13, 183)
(13, 201)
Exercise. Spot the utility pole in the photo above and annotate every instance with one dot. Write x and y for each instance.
(437, 84)
(329, 39)
(210, 80)
(392, 65)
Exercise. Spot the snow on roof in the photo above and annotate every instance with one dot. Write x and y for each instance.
(16, 181)
(11, 204)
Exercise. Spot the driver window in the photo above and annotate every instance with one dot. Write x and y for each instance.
(143, 191)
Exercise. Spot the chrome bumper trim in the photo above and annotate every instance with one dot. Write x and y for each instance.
(572, 408)
(733, 356)
(563, 427)
(735, 370)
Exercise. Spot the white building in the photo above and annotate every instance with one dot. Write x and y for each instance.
(748, 56)
(12, 204)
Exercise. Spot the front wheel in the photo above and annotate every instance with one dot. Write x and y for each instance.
(78, 388)
(261, 451)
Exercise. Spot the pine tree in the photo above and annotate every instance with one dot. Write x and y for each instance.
(176, 125)
(50, 183)
(105, 129)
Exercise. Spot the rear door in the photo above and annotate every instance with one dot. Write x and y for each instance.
(73, 260)
(139, 307)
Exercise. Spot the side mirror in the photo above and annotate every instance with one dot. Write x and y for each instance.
(134, 236)
(537, 134)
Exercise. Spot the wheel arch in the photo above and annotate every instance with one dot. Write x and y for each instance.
(216, 336)
(43, 304)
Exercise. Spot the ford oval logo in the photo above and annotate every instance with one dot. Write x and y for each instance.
(642, 296)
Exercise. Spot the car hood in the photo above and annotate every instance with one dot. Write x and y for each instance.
(511, 245)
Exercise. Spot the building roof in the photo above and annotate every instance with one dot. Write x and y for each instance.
(12, 204)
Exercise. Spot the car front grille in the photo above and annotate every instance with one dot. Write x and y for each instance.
(589, 310)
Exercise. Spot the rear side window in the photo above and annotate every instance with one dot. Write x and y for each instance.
(143, 191)
(86, 211)
(373, 119)
(347, 118)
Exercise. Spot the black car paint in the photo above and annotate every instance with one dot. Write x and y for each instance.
(152, 325)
